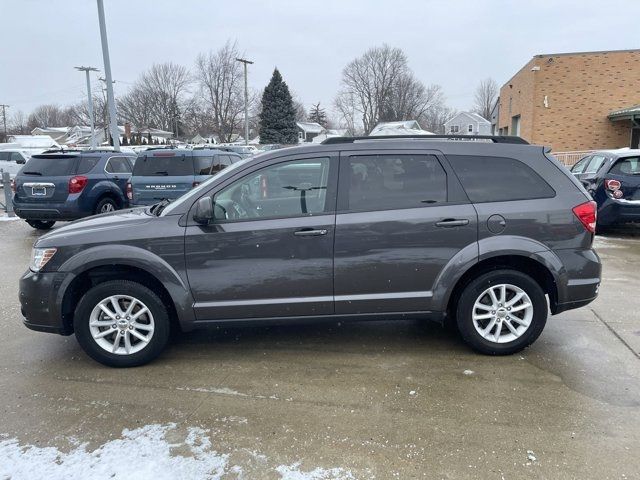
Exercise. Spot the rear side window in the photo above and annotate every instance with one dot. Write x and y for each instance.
(202, 165)
(118, 165)
(498, 179)
(50, 166)
(579, 166)
(626, 166)
(389, 181)
(162, 166)
(595, 164)
(5, 156)
(86, 164)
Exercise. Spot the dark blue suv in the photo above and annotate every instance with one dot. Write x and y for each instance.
(70, 185)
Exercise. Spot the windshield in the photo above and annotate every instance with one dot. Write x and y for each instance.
(194, 193)
(163, 166)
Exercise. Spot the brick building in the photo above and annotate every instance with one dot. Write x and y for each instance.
(574, 101)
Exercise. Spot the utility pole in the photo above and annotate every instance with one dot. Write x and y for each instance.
(90, 102)
(4, 121)
(246, 62)
(113, 121)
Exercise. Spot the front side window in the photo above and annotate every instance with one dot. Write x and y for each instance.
(389, 181)
(288, 189)
(579, 166)
(498, 179)
(118, 165)
(595, 164)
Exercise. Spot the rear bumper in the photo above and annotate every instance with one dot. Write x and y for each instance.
(72, 209)
(38, 295)
(579, 286)
(614, 211)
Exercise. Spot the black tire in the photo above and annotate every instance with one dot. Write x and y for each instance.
(472, 292)
(101, 291)
(106, 205)
(41, 224)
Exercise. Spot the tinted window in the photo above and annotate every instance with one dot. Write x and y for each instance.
(498, 179)
(202, 165)
(51, 166)
(595, 164)
(221, 162)
(5, 155)
(118, 165)
(16, 157)
(86, 164)
(380, 182)
(579, 166)
(287, 189)
(627, 166)
(150, 166)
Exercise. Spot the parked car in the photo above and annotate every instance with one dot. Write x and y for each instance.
(488, 235)
(11, 161)
(612, 177)
(243, 150)
(166, 174)
(70, 185)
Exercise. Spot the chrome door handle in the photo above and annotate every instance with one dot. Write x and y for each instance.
(452, 222)
(310, 233)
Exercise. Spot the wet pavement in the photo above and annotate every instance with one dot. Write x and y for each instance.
(362, 400)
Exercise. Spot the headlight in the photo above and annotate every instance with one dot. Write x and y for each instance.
(40, 257)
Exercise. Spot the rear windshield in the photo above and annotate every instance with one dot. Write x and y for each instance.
(177, 166)
(626, 166)
(50, 166)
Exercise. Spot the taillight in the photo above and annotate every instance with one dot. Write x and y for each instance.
(195, 184)
(77, 183)
(129, 191)
(587, 213)
(612, 185)
(13, 185)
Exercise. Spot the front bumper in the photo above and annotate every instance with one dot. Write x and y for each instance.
(39, 302)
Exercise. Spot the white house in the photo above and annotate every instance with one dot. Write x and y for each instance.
(405, 127)
(308, 130)
(467, 123)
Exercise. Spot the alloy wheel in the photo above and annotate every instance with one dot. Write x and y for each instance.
(502, 313)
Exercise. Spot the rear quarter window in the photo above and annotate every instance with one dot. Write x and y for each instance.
(162, 166)
(87, 164)
(499, 179)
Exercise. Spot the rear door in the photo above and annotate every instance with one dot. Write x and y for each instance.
(45, 178)
(402, 217)
(161, 175)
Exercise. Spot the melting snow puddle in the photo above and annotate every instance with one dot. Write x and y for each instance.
(140, 454)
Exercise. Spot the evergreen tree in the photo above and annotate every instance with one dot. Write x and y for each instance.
(149, 138)
(124, 140)
(318, 115)
(278, 115)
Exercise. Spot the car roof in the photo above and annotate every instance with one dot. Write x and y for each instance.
(620, 152)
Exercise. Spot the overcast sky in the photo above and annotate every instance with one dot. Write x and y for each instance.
(451, 43)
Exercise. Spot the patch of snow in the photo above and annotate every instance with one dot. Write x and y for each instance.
(412, 392)
(6, 218)
(141, 454)
(468, 372)
(221, 391)
(531, 456)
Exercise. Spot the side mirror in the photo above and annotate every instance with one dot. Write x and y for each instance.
(203, 213)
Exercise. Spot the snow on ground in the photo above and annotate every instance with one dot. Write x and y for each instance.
(5, 218)
(140, 454)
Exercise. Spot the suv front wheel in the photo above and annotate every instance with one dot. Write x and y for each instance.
(120, 323)
(501, 312)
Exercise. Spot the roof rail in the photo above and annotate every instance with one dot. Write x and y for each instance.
(468, 138)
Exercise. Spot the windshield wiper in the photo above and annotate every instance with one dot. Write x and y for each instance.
(158, 207)
(164, 173)
(32, 173)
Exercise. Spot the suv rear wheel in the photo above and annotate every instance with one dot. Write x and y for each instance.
(41, 224)
(121, 324)
(106, 205)
(501, 312)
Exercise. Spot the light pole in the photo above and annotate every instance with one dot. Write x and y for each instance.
(4, 120)
(113, 121)
(246, 62)
(90, 101)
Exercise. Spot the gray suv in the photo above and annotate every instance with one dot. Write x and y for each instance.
(489, 234)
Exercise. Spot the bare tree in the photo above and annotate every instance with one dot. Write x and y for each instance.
(485, 97)
(369, 81)
(157, 97)
(48, 115)
(433, 119)
(17, 125)
(410, 99)
(221, 86)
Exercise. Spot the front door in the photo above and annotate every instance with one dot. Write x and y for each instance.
(269, 251)
(401, 218)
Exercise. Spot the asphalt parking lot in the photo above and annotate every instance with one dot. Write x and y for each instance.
(362, 400)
